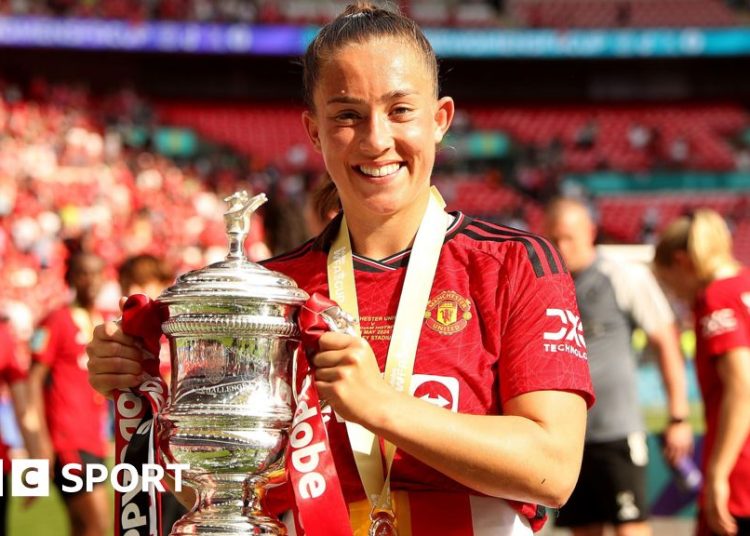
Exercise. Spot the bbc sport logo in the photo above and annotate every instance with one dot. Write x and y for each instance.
(30, 477)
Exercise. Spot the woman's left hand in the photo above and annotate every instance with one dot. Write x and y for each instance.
(678, 442)
(347, 376)
(719, 520)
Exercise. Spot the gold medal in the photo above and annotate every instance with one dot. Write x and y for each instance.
(382, 523)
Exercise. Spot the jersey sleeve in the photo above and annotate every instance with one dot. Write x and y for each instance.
(542, 346)
(722, 325)
(638, 293)
(10, 370)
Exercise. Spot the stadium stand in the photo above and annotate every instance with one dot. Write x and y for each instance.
(65, 178)
(621, 13)
(435, 13)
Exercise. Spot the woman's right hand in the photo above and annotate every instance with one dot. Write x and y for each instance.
(114, 359)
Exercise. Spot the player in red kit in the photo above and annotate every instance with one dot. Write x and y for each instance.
(27, 420)
(469, 358)
(482, 344)
(75, 414)
(694, 259)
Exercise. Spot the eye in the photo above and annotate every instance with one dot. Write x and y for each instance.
(401, 110)
(347, 116)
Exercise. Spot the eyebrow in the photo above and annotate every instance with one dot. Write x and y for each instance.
(391, 95)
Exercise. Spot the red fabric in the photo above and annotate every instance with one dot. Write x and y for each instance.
(75, 413)
(453, 520)
(10, 372)
(483, 342)
(325, 513)
(143, 317)
(722, 316)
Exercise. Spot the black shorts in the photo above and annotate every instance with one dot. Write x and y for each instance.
(85, 458)
(4, 505)
(612, 486)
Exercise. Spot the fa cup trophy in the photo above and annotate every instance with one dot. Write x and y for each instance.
(232, 337)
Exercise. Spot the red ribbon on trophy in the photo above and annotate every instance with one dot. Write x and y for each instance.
(320, 508)
(138, 512)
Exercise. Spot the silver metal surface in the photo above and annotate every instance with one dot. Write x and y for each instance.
(232, 333)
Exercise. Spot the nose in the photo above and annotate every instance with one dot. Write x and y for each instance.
(376, 135)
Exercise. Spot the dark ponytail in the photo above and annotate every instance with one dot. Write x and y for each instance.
(360, 22)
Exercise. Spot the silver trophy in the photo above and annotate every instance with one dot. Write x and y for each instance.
(232, 336)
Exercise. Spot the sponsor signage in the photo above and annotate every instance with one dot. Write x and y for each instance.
(291, 40)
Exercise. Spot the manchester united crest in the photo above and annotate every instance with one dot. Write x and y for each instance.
(448, 312)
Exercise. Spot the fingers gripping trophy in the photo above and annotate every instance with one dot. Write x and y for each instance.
(232, 336)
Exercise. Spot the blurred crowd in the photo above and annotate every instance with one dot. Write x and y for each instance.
(443, 13)
(84, 173)
(69, 182)
(241, 11)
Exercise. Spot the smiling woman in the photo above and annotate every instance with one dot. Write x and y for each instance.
(376, 120)
(448, 383)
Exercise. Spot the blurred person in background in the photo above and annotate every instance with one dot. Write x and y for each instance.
(694, 259)
(27, 420)
(144, 274)
(509, 438)
(321, 206)
(150, 275)
(74, 413)
(613, 298)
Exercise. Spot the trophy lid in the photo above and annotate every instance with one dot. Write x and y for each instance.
(235, 278)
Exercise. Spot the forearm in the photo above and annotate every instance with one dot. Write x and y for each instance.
(33, 419)
(33, 430)
(672, 367)
(507, 456)
(732, 430)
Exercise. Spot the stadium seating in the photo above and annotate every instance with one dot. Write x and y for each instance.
(620, 13)
(705, 128)
(561, 14)
(265, 132)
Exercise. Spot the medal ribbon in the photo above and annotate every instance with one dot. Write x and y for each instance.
(138, 513)
(406, 330)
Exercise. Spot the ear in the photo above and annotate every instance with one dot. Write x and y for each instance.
(443, 117)
(311, 127)
(593, 231)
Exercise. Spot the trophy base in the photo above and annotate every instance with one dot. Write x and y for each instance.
(229, 506)
(241, 526)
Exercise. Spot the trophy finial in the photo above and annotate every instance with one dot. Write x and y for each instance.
(237, 220)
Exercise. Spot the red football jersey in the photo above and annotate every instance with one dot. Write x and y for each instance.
(501, 321)
(722, 322)
(10, 372)
(75, 412)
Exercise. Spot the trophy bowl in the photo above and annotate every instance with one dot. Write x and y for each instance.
(232, 337)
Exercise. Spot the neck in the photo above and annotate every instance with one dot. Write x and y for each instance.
(83, 304)
(585, 263)
(378, 237)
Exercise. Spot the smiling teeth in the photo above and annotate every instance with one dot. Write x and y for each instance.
(379, 171)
